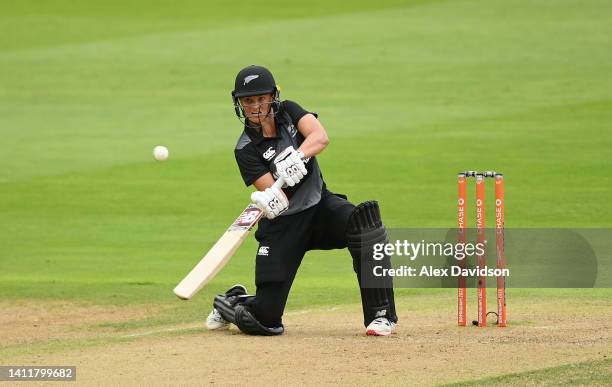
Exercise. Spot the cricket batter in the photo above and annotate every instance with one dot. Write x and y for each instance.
(281, 140)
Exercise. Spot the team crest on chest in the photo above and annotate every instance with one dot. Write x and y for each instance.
(292, 130)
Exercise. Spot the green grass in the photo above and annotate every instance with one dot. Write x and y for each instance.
(409, 91)
(591, 373)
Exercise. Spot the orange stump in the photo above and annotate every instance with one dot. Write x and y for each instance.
(481, 239)
(482, 259)
(462, 239)
(501, 258)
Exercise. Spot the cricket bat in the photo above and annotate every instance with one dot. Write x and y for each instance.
(221, 252)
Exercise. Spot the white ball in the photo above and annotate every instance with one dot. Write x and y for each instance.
(160, 153)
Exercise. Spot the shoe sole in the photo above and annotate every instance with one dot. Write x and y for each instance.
(217, 327)
(372, 332)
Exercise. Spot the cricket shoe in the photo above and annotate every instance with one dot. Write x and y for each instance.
(380, 326)
(215, 321)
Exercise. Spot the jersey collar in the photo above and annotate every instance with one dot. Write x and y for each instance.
(256, 136)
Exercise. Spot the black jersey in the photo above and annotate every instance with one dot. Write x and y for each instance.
(255, 157)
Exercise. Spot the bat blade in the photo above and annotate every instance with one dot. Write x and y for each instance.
(219, 254)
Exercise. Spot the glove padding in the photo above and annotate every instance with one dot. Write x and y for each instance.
(290, 166)
(272, 201)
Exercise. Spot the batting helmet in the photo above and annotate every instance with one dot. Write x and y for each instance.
(254, 80)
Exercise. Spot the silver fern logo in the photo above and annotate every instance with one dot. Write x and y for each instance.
(250, 78)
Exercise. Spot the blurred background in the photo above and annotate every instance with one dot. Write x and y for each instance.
(410, 92)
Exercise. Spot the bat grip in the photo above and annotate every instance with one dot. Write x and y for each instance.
(278, 184)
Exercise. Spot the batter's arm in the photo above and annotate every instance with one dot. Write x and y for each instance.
(265, 181)
(314, 134)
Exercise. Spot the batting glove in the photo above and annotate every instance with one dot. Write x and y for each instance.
(272, 201)
(290, 166)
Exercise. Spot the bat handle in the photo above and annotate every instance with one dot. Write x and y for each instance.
(278, 184)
